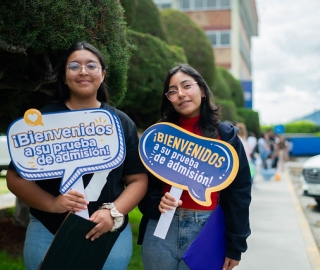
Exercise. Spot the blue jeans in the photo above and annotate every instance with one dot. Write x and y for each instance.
(168, 252)
(38, 240)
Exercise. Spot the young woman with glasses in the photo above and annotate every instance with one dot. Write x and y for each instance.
(81, 85)
(186, 103)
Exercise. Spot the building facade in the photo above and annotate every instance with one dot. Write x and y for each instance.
(230, 25)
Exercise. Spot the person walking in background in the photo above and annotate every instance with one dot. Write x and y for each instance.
(186, 103)
(265, 150)
(243, 135)
(252, 142)
(282, 147)
(80, 85)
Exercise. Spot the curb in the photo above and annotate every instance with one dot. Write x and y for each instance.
(310, 244)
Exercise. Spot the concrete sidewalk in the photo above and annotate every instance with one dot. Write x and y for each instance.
(281, 237)
(7, 200)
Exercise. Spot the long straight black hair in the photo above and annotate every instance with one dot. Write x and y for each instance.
(63, 91)
(209, 112)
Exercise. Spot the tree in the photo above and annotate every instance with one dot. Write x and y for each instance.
(251, 120)
(220, 89)
(143, 16)
(234, 86)
(182, 31)
(33, 37)
(146, 77)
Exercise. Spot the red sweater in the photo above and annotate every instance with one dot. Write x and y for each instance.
(189, 124)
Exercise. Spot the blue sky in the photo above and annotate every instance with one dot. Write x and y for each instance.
(286, 60)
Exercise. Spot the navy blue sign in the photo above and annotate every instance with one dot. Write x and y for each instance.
(188, 161)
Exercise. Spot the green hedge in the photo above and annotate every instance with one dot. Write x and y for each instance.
(149, 66)
(35, 33)
(229, 111)
(234, 86)
(182, 31)
(220, 89)
(143, 16)
(301, 127)
(251, 120)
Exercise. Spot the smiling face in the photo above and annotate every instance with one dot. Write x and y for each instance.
(186, 105)
(83, 85)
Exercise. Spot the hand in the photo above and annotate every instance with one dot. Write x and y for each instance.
(72, 201)
(104, 223)
(229, 264)
(168, 202)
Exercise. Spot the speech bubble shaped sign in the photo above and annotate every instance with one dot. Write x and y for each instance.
(188, 161)
(65, 144)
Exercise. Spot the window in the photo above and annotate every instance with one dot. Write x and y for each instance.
(219, 38)
(204, 4)
(213, 38)
(224, 3)
(185, 4)
(211, 3)
(225, 38)
(198, 3)
(163, 6)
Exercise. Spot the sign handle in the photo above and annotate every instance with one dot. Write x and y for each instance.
(166, 218)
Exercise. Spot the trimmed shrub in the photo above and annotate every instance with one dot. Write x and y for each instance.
(146, 77)
(300, 127)
(234, 86)
(251, 120)
(34, 34)
(229, 110)
(143, 16)
(220, 87)
(182, 31)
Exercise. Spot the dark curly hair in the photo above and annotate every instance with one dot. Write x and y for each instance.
(209, 112)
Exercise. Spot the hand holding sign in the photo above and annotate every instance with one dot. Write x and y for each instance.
(188, 161)
(65, 144)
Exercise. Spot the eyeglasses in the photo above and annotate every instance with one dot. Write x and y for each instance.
(186, 88)
(75, 68)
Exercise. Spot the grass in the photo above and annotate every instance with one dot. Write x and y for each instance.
(9, 262)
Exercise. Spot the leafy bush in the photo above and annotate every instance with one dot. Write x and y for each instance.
(251, 120)
(143, 16)
(220, 87)
(34, 34)
(149, 66)
(300, 127)
(229, 110)
(182, 31)
(234, 86)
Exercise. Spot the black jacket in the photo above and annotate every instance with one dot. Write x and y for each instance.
(234, 200)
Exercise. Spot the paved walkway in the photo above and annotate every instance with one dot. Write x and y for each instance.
(7, 201)
(281, 237)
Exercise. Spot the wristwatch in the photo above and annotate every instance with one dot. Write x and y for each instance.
(118, 218)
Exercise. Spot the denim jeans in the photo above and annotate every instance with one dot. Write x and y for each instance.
(38, 240)
(167, 253)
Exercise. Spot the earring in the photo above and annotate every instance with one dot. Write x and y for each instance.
(204, 97)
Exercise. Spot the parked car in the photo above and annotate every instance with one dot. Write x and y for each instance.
(310, 178)
(4, 153)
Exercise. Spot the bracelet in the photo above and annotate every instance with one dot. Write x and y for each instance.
(118, 218)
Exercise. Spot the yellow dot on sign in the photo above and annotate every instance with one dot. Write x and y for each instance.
(33, 117)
